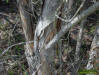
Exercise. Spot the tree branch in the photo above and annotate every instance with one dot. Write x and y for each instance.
(79, 40)
(21, 43)
(75, 21)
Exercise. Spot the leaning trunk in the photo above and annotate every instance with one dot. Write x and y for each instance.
(28, 31)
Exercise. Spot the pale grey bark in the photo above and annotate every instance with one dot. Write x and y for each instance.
(38, 63)
(76, 20)
(28, 31)
(79, 41)
(48, 15)
(93, 62)
(44, 27)
(70, 3)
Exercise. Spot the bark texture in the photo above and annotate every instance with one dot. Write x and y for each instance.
(40, 53)
(28, 31)
(93, 62)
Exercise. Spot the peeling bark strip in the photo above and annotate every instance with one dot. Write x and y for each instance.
(48, 15)
(46, 18)
(27, 26)
(28, 31)
(44, 28)
(76, 20)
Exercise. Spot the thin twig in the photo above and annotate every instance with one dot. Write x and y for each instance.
(80, 7)
(4, 14)
(6, 50)
(15, 25)
(75, 21)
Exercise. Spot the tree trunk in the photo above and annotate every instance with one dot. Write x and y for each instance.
(47, 17)
(40, 53)
(44, 32)
(93, 62)
(28, 31)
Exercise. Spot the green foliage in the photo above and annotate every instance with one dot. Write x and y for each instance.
(23, 67)
(92, 29)
(18, 48)
(25, 73)
(10, 72)
(0, 51)
(7, 1)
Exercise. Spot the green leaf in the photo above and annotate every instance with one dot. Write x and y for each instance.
(7, 1)
(10, 72)
(25, 73)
